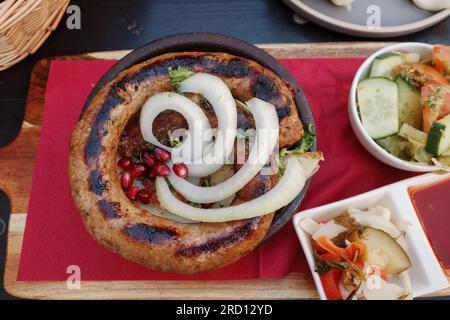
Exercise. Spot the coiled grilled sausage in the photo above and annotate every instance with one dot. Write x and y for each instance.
(119, 225)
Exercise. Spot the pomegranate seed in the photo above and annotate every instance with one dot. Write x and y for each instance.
(149, 159)
(160, 169)
(126, 180)
(151, 174)
(180, 170)
(143, 196)
(138, 170)
(125, 163)
(161, 154)
(132, 192)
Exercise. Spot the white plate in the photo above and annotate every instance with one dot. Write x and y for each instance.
(426, 272)
(399, 17)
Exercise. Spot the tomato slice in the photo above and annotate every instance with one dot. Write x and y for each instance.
(445, 107)
(428, 118)
(436, 104)
(441, 58)
(421, 74)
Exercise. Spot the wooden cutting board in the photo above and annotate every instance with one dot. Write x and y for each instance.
(16, 170)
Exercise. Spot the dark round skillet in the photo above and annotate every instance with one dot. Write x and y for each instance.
(217, 43)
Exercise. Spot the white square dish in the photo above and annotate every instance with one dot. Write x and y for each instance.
(427, 275)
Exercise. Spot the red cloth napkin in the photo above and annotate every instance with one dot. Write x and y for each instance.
(55, 237)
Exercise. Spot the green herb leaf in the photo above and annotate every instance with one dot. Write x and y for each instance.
(325, 265)
(281, 163)
(243, 105)
(137, 158)
(150, 147)
(306, 142)
(173, 141)
(178, 75)
(203, 100)
(302, 146)
(163, 139)
(205, 182)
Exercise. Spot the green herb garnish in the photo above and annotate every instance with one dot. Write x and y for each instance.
(205, 182)
(353, 275)
(178, 75)
(325, 265)
(173, 141)
(137, 158)
(150, 147)
(203, 100)
(306, 142)
(303, 145)
(243, 105)
(281, 163)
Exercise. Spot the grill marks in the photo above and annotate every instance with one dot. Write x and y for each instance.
(235, 68)
(148, 234)
(93, 149)
(158, 69)
(110, 210)
(98, 130)
(265, 89)
(97, 183)
(256, 187)
(262, 86)
(215, 244)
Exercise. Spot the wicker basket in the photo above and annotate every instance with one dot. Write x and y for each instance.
(24, 26)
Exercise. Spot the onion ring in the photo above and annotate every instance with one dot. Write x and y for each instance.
(196, 119)
(216, 91)
(282, 194)
(267, 128)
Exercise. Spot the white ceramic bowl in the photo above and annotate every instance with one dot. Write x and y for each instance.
(426, 273)
(425, 50)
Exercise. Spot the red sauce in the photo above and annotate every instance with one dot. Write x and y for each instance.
(432, 204)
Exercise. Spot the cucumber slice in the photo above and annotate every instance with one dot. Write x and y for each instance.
(439, 137)
(378, 107)
(411, 57)
(381, 243)
(395, 145)
(383, 66)
(409, 106)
